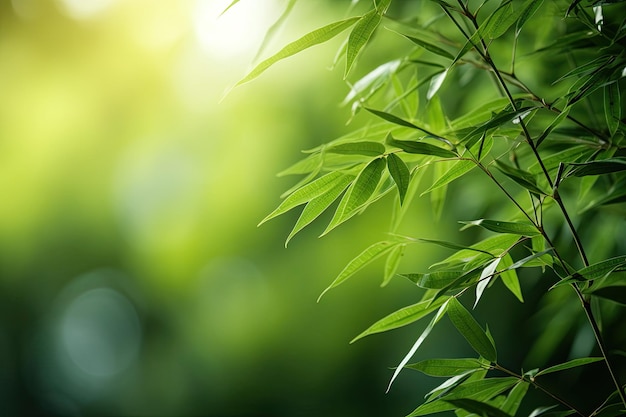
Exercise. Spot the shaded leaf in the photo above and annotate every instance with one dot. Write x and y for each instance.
(478, 407)
(523, 178)
(400, 174)
(434, 280)
(612, 106)
(515, 397)
(516, 228)
(360, 35)
(568, 365)
(402, 317)
(600, 269)
(471, 330)
(315, 37)
(446, 367)
(615, 293)
(601, 167)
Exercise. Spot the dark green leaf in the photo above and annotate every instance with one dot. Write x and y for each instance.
(521, 177)
(613, 293)
(359, 36)
(400, 174)
(471, 330)
(401, 122)
(421, 148)
(434, 280)
(515, 397)
(601, 167)
(600, 269)
(612, 106)
(478, 407)
(446, 367)
(498, 23)
(516, 228)
(430, 47)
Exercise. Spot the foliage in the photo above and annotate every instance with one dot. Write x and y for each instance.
(547, 134)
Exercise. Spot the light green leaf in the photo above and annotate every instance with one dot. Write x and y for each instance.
(516, 228)
(367, 148)
(478, 407)
(316, 207)
(471, 330)
(499, 21)
(435, 280)
(315, 37)
(372, 81)
(310, 191)
(557, 121)
(402, 317)
(435, 84)
(304, 166)
(271, 32)
(515, 397)
(485, 277)
(612, 106)
(229, 6)
(392, 264)
(359, 36)
(419, 147)
(440, 313)
(509, 276)
(370, 254)
(446, 367)
(400, 174)
(358, 194)
(568, 365)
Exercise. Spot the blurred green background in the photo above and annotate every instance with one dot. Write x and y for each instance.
(133, 278)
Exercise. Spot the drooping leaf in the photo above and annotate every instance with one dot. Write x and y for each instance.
(360, 35)
(568, 365)
(400, 174)
(367, 148)
(271, 32)
(523, 178)
(310, 191)
(485, 277)
(358, 194)
(516, 228)
(471, 330)
(509, 277)
(446, 367)
(366, 257)
(392, 264)
(315, 37)
(601, 167)
(440, 313)
(478, 407)
(419, 147)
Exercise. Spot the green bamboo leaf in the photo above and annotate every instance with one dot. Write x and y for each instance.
(358, 194)
(430, 47)
(402, 317)
(392, 264)
(434, 280)
(372, 81)
(516, 228)
(360, 35)
(568, 365)
(485, 277)
(229, 6)
(616, 293)
(304, 166)
(316, 207)
(492, 247)
(471, 330)
(400, 174)
(600, 269)
(499, 21)
(523, 178)
(509, 277)
(612, 107)
(440, 313)
(515, 397)
(450, 245)
(446, 367)
(418, 147)
(366, 257)
(435, 84)
(271, 32)
(401, 122)
(601, 167)
(310, 191)
(315, 37)
(528, 10)
(556, 122)
(367, 148)
(478, 407)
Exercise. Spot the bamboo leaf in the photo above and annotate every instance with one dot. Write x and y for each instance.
(310, 191)
(601, 167)
(471, 330)
(568, 365)
(360, 35)
(402, 317)
(600, 269)
(478, 407)
(430, 47)
(509, 277)
(612, 107)
(434, 280)
(400, 174)
(372, 80)
(499, 21)
(440, 313)
(229, 6)
(485, 278)
(521, 177)
(446, 367)
(435, 84)
(392, 264)
(366, 257)
(367, 148)
(271, 32)
(421, 148)
(315, 37)
(516, 228)
(515, 397)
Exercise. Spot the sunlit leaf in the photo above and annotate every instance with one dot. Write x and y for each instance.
(271, 32)
(568, 365)
(400, 174)
(232, 3)
(477, 407)
(435, 84)
(419, 147)
(516, 228)
(471, 330)
(315, 37)
(402, 317)
(372, 80)
(399, 121)
(392, 264)
(600, 269)
(359, 36)
(446, 367)
(366, 257)
(485, 278)
(367, 148)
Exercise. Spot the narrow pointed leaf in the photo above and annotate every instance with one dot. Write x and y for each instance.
(509, 277)
(400, 174)
(485, 278)
(315, 37)
(568, 365)
(430, 47)
(317, 206)
(602, 167)
(521, 177)
(471, 330)
(478, 407)
(498, 23)
(421, 148)
(229, 6)
(400, 122)
(612, 106)
(515, 397)
(367, 148)
(271, 32)
(310, 191)
(370, 254)
(402, 317)
(440, 313)
(435, 84)
(516, 228)
(360, 35)
(434, 280)
(600, 269)
(392, 264)
(446, 367)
